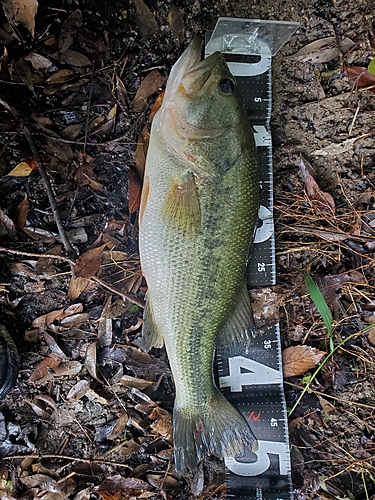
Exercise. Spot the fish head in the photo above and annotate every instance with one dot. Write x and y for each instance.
(201, 99)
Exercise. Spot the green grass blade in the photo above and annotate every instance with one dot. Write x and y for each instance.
(321, 305)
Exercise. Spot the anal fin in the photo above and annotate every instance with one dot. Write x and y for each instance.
(150, 332)
(235, 337)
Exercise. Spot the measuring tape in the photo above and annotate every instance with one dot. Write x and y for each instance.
(253, 383)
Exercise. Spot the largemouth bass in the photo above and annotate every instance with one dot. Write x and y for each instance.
(197, 217)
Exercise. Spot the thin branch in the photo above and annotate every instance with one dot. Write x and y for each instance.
(51, 197)
(67, 457)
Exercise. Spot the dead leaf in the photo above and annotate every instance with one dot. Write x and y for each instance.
(62, 76)
(51, 361)
(7, 227)
(88, 264)
(90, 360)
(46, 263)
(118, 482)
(141, 151)
(176, 24)
(360, 75)
(42, 482)
(78, 390)
(323, 50)
(43, 406)
(21, 213)
(298, 359)
(149, 86)
(118, 429)
(77, 286)
(146, 21)
(68, 29)
(21, 11)
(68, 369)
(339, 148)
(74, 58)
(322, 200)
(138, 383)
(21, 170)
(134, 190)
(121, 94)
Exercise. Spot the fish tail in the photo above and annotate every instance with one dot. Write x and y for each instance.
(216, 429)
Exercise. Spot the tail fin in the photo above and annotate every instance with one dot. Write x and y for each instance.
(215, 429)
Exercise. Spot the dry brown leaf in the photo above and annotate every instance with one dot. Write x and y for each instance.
(51, 361)
(298, 359)
(323, 50)
(360, 75)
(68, 369)
(45, 263)
(121, 94)
(149, 86)
(78, 390)
(134, 190)
(62, 76)
(322, 200)
(146, 21)
(74, 58)
(117, 482)
(176, 24)
(48, 318)
(90, 360)
(88, 264)
(78, 285)
(7, 227)
(138, 383)
(21, 11)
(42, 482)
(118, 429)
(141, 151)
(68, 29)
(21, 213)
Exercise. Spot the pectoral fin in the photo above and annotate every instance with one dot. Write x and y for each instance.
(235, 336)
(150, 332)
(181, 208)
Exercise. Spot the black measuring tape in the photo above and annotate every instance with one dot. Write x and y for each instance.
(253, 383)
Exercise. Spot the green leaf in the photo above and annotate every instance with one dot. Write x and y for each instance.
(321, 305)
(371, 66)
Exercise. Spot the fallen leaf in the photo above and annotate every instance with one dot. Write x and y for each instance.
(146, 21)
(298, 359)
(323, 50)
(51, 361)
(88, 264)
(360, 75)
(339, 148)
(90, 360)
(176, 24)
(121, 94)
(134, 190)
(68, 29)
(21, 11)
(21, 213)
(324, 201)
(141, 151)
(78, 390)
(74, 58)
(78, 285)
(118, 482)
(149, 85)
(42, 482)
(21, 170)
(7, 227)
(62, 76)
(136, 382)
(68, 369)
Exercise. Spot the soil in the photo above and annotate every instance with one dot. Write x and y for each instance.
(89, 403)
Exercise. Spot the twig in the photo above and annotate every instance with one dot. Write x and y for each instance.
(100, 282)
(67, 457)
(51, 197)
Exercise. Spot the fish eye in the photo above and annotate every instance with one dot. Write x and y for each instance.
(227, 86)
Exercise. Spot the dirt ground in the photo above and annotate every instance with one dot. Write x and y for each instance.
(90, 415)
